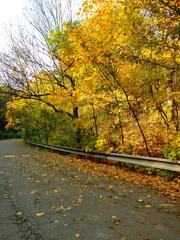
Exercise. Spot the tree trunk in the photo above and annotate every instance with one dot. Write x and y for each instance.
(121, 131)
(137, 121)
(95, 120)
(174, 115)
(134, 115)
(77, 129)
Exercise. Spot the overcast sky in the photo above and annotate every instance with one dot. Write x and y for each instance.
(11, 11)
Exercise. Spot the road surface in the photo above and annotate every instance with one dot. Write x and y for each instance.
(45, 199)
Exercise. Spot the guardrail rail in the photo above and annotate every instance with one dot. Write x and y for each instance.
(160, 163)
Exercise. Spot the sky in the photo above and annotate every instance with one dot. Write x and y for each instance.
(11, 12)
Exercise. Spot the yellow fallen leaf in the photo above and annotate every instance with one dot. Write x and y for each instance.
(9, 156)
(40, 214)
(123, 238)
(77, 235)
(148, 206)
(34, 191)
(56, 221)
(166, 205)
(19, 213)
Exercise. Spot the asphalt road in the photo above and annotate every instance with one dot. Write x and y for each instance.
(45, 199)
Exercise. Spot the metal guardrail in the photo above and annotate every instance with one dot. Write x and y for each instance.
(160, 163)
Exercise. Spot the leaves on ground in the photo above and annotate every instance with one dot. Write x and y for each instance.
(162, 184)
(56, 161)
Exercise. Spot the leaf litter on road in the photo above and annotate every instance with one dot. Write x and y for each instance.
(162, 184)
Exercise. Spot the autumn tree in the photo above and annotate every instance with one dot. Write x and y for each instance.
(4, 99)
(131, 55)
(113, 73)
(32, 70)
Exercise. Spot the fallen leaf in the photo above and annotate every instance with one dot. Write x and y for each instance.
(123, 238)
(166, 205)
(34, 191)
(44, 175)
(148, 206)
(115, 220)
(10, 156)
(19, 213)
(77, 235)
(40, 214)
(56, 221)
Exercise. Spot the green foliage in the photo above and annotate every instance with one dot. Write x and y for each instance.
(59, 39)
(172, 153)
(41, 124)
(9, 135)
(88, 141)
(4, 98)
(164, 173)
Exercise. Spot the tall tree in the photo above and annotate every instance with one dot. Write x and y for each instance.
(32, 70)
